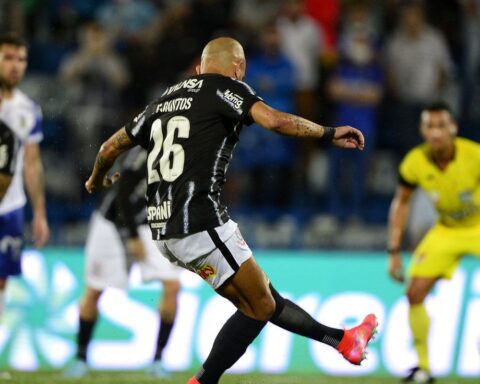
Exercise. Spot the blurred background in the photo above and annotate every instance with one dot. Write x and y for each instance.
(371, 64)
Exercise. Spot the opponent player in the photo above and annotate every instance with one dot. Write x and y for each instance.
(9, 145)
(190, 133)
(23, 117)
(446, 168)
(118, 236)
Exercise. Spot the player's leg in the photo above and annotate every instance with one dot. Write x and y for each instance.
(436, 256)
(11, 245)
(167, 309)
(417, 290)
(351, 343)
(105, 266)
(250, 291)
(87, 320)
(156, 267)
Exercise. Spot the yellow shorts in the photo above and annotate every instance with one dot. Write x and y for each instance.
(441, 250)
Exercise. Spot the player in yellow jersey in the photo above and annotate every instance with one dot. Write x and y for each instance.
(447, 168)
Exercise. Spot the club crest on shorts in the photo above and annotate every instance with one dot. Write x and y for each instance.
(207, 272)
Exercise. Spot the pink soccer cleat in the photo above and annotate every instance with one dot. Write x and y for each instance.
(355, 340)
(193, 380)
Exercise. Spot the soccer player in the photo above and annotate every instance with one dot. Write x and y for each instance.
(9, 145)
(118, 236)
(446, 168)
(23, 117)
(190, 133)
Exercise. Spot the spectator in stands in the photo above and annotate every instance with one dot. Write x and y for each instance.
(94, 77)
(356, 89)
(302, 41)
(269, 160)
(327, 15)
(250, 16)
(418, 67)
(471, 59)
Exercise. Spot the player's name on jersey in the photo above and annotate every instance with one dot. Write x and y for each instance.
(189, 84)
(179, 104)
(160, 212)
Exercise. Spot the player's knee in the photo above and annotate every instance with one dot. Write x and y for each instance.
(265, 308)
(415, 296)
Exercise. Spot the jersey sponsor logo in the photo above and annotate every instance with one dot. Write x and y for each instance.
(234, 100)
(190, 84)
(179, 104)
(207, 272)
(160, 212)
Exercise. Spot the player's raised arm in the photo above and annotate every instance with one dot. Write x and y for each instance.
(118, 143)
(292, 125)
(397, 221)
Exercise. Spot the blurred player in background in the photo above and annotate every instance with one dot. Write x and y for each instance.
(447, 168)
(118, 236)
(190, 133)
(9, 146)
(23, 117)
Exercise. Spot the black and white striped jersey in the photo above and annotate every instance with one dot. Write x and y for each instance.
(190, 133)
(124, 204)
(9, 146)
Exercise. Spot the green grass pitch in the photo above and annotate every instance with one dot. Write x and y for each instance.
(181, 378)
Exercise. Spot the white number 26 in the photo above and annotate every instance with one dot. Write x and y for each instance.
(172, 160)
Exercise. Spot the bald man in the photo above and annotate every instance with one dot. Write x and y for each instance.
(190, 133)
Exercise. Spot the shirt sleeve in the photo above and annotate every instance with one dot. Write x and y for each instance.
(36, 133)
(138, 130)
(407, 172)
(234, 100)
(8, 150)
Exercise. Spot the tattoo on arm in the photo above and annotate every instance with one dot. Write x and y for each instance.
(102, 164)
(121, 140)
(110, 150)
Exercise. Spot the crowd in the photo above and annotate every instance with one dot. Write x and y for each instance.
(371, 64)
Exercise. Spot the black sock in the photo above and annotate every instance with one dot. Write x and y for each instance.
(291, 317)
(162, 339)
(85, 330)
(230, 344)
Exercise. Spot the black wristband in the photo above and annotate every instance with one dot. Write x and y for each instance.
(328, 134)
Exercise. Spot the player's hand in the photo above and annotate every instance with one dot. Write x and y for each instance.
(40, 230)
(96, 185)
(136, 248)
(395, 267)
(348, 137)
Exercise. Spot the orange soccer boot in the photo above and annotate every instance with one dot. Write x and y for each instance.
(355, 340)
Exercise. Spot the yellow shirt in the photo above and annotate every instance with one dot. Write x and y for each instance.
(455, 191)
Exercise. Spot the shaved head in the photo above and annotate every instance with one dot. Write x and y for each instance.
(224, 56)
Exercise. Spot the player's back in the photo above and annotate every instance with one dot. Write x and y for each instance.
(190, 133)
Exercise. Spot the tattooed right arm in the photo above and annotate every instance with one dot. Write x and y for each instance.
(118, 143)
(292, 125)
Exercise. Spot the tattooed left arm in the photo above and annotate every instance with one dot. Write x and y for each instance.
(118, 143)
